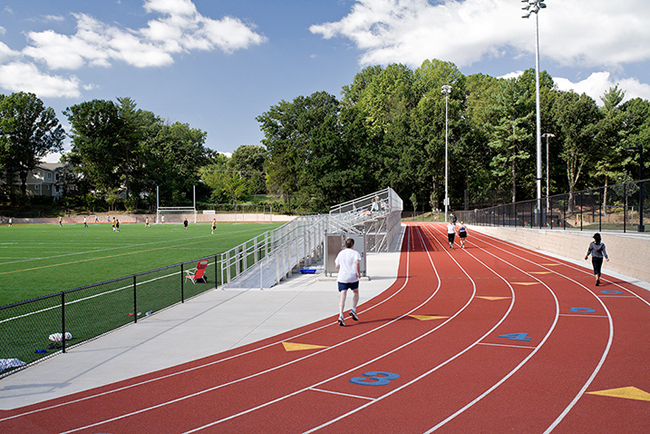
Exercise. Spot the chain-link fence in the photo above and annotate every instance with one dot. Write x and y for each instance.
(37, 328)
(620, 207)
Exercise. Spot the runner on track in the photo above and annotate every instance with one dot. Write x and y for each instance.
(451, 234)
(462, 234)
(348, 261)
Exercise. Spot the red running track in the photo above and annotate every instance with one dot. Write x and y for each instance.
(490, 339)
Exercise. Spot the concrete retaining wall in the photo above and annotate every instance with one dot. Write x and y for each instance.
(140, 218)
(629, 253)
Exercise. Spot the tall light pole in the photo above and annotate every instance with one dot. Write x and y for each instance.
(533, 7)
(446, 89)
(548, 170)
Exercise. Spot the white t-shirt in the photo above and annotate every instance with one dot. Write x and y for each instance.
(451, 228)
(346, 260)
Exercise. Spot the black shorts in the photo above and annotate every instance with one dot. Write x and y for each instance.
(451, 237)
(462, 234)
(344, 286)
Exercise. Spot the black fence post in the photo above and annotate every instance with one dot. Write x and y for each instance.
(624, 207)
(182, 286)
(63, 321)
(135, 301)
(216, 269)
(581, 215)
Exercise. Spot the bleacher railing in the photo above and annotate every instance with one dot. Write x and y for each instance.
(377, 214)
(620, 207)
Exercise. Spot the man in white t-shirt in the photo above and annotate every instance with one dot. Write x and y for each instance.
(451, 234)
(348, 262)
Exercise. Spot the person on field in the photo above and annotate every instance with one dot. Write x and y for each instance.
(462, 234)
(85, 223)
(451, 234)
(185, 224)
(114, 224)
(214, 225)
(146, 222)
(61, 221)
(117, 225)
(348, 262)
(11, 222)
(598, 252)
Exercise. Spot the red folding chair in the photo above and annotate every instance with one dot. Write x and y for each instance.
(198, 274)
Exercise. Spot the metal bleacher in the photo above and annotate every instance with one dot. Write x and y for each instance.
(275, 255)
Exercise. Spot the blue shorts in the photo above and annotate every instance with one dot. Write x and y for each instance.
(343, 286)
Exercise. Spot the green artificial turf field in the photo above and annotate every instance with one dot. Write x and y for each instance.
(37, 260)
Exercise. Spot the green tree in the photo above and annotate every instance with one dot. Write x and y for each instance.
(576, 117)
(510, 133)
(249, 161)
(28, 131)
(96, 128)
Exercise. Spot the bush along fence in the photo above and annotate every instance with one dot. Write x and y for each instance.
(38, 328)
(620, 207)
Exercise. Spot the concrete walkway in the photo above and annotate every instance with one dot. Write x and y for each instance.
(210, 323)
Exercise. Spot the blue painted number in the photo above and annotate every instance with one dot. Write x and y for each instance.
(611, 291)
(374, 378)
(582, 310)
(516, 337)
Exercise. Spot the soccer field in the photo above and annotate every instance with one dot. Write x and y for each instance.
(37, 260)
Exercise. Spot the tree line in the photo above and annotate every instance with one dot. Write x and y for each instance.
(387, 128)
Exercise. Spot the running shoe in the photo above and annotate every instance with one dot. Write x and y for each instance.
(354, 316)
(341, 322)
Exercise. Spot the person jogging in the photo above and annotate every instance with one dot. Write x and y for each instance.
(214, 225)
(598, 252)
(348, 262)
(462, 234)
(451, 234)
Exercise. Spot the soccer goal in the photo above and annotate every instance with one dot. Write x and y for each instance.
(176, 214)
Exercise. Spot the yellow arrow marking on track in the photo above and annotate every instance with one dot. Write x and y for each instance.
(427, 318)
(290, 346)
(494, 298)
(624, 392)
(540, 272)
(550, 265)
(525, 283)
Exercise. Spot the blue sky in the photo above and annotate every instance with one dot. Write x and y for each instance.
(216, 65)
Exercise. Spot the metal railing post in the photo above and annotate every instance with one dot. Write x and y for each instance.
(63, 321)
(135, 301)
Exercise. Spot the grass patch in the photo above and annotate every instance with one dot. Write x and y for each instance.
(37, 260)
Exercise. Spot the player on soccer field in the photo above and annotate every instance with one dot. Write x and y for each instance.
(214, 225)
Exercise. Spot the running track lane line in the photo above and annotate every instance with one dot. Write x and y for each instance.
(605, 352)
(356, 368)
(420, 377)
(523, 362)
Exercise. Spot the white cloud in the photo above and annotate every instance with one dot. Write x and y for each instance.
(17, 77)
(585, 32)
(181, 28)
(600, 82)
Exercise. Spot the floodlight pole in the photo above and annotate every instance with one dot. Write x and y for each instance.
(446, 89)
(533, 7)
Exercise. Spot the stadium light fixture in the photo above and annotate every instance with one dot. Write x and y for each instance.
(533, 7)
(446, 89)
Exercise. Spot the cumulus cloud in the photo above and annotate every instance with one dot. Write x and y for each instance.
(584, 32)
(600, 82)
(178, 27)
(19, 76)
